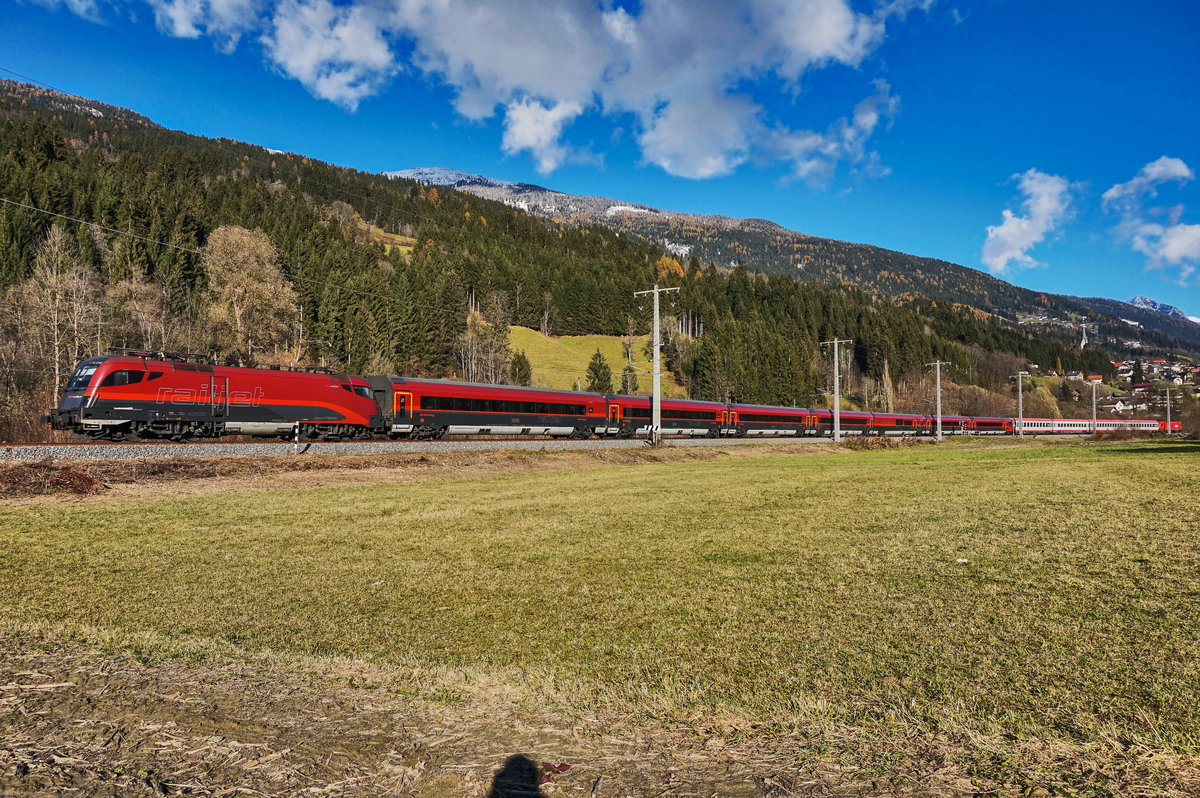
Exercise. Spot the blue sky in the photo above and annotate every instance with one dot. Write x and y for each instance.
(1053, 144)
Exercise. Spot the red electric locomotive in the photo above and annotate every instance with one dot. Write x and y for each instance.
(154, 395)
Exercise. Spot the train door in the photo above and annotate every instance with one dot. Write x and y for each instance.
(402, 405)
(218, 396)
(614, 418)
(733, 422)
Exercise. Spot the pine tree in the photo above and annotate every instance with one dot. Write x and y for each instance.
(629, 380)
(599, 374)
(520, 370)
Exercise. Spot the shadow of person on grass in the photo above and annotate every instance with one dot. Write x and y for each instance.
(517, 779)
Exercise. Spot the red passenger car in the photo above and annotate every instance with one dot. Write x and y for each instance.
(632, 415)
(419, 408)
(764, 420)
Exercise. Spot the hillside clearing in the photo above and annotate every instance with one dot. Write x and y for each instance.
(559, 361)
(923, 620)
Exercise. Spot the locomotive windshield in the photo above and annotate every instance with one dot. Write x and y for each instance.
(82, 376)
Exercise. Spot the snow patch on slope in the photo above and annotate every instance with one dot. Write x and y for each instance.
(441, 176)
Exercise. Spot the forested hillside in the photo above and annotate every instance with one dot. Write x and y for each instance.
(115, 231)
(763, 246)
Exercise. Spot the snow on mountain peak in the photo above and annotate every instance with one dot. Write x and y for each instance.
(1146, 303)
(441, 176)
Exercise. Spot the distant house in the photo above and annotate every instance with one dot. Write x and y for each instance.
(1125, 404)
(1096, 378)
(1075, 375)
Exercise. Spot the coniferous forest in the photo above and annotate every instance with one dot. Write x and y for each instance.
(117, 232)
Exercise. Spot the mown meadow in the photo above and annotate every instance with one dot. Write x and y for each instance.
(999, 598)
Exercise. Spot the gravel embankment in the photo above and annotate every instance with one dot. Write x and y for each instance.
(96, 451)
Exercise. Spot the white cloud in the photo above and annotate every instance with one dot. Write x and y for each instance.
(1047, 204)
(1156, 231)
(696, 76)
(815, 156)
(224, 20)
(1126, 197)
(339, 53)
(88, 9)
(529, 125)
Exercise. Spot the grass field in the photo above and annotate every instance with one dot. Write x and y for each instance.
(1036, 609)
(558, 362)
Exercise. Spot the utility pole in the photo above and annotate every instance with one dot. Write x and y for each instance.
(1094, 386)
(1021, 375)
(656, 396)
(1168, 411)
(937, 366)
(837, 391)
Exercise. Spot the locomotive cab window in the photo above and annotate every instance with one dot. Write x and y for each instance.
(81, 378)
(363, 391)
(123, 377)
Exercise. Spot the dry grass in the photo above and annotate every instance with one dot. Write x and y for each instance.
(1020, 615)
(83, 477)
(46, 477)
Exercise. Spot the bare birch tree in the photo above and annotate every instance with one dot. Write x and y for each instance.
(62, 299)
(253, 306)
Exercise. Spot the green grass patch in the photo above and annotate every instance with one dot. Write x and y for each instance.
(561, 360)
(1045, 592)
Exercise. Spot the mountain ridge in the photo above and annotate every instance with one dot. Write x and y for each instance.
(765, 246)
(1146, 303)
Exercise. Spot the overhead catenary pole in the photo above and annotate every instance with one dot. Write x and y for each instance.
(656, 396)
(837, 391)
(1168, 411)
(937, 367)
(1021, 375)
(1094, 387)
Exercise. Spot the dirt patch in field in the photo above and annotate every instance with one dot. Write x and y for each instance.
(84, 722)
(80, 720)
